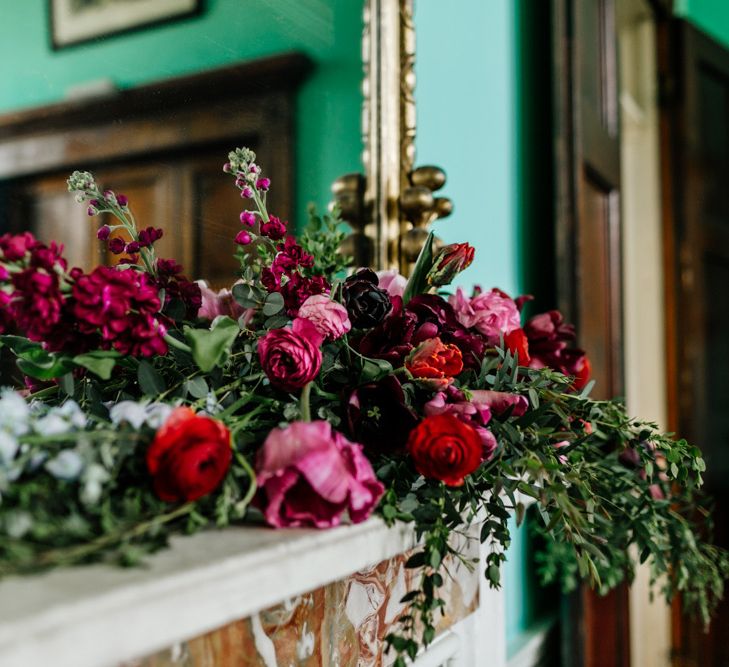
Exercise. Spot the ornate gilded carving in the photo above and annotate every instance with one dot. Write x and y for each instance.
(397, 204)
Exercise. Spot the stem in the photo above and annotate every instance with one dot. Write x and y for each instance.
(72, 554)
(251, 476)
(304, 403)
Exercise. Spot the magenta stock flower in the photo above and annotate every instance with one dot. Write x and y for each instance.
(298, 289)
(103, 233)
(248, 218)
(492, 314)
(36, 303)
(263, 184)
(329, 317)
(117, 245)
(243, 238)
(291, 358)
(14, 246)
(122, 306)
(274, 229)
(310, 475)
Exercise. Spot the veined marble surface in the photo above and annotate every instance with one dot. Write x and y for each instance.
(99, 616)
(342, 624)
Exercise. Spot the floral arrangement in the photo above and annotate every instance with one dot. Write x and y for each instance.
(305, 397)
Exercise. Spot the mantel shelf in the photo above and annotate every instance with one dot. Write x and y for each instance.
(94, 616)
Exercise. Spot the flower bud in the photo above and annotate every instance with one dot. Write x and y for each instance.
(248, 218)
(243, 238)
(103, 233)
(448, 263)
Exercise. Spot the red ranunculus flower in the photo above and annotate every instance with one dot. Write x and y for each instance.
(517, 343)
(189, 456)
(435, 362)
(445, 448)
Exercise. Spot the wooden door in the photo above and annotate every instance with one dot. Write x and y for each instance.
(587, 151)
(695, 129)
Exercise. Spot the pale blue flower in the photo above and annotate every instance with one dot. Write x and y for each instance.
(8, 447)
(93, 481)
(67, 465)
(138, 414)
(14, 412)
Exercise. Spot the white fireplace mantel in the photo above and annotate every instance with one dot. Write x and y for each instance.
(101, 616)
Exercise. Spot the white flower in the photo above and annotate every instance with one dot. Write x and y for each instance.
(14, 412)
(134, 414)
(52, 424)
(93, 482)
(18, 523)
(67, 465)
(72, 413)
(157, 414)
(137, 414)
(8, 447)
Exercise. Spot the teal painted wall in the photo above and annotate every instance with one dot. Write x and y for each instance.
(711, 16)
(228, 31)
(483, 116)
(466, 124)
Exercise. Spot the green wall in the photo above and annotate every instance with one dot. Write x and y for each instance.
(711, 16)
(466, 124)
(228, 31)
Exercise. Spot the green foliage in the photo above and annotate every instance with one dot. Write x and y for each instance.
(211, 347)
(322, 238)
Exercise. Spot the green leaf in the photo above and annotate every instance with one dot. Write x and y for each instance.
(248, 296)
(99, 362)
(150, 381)
(197, 387)
(42, 365)
(274, 304)
(493, 574)
(417, 282)
(211, 347)
(66, 384)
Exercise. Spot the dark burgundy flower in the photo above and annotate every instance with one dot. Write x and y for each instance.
(378, 416)
(103, 233)
(366, 303)
(550, 339)
(298, 289)
(149, 236)
(291, 255)
(177, 288)
(6, 317)
(392, 340)
(274, 228)
(117, 245)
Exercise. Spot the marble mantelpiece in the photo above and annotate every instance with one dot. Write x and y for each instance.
(236, 585)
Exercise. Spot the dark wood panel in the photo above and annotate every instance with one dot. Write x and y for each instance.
(587, 167)
(163, 145)
(695, 179)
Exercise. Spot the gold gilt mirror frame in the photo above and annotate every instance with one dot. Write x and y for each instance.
(391, 207)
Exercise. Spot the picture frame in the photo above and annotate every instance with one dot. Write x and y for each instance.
(79, 21)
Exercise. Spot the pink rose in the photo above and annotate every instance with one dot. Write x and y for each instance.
(392, 282)
(310, 475)
(490, 313)
(501, 401)
(329, 317)
(475, 413)
(219, 303)
(291, 358)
